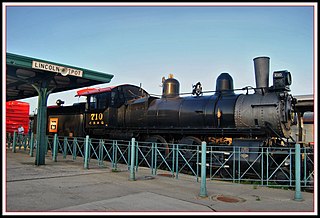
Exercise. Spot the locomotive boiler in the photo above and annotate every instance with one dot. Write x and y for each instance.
(266, 112)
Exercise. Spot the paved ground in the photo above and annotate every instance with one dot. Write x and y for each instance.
(65, 187)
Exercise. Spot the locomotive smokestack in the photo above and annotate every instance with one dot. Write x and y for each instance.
(261, 69)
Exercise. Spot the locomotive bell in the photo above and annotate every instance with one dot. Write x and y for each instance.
(170, 87)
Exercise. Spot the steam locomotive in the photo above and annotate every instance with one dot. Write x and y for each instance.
(126, 111)
(257, 117)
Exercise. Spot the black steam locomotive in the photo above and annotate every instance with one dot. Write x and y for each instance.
(126, 111)
(258, 117)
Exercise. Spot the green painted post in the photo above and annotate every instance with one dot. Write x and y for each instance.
(129, 155)
(74, 149)
(198, 164)
(210, 162)
(262, 164)
(19, 142)
(25, 139)
(43, 94)
(203, 187)
(177, 162)
(132, 172)
(155, 158)
(65, 148)
(136, 155)
(86, 153)
(54, 156)
(89, 156)
(305, 166)
(239, 164)
(14, 142)
(267, 173)
(290, 166)
(152, 159)
(174, 153)
(100, 158)
(40, 148)
(114, 154)
(31, 144)
(297, 194)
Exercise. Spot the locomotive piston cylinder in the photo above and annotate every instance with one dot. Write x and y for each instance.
(261, 69)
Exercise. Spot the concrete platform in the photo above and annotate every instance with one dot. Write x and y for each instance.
(65, 187)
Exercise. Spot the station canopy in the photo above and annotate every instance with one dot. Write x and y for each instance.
(305, 103)
(24, 73)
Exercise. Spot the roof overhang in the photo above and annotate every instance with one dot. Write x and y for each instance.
(23, 73)
(304, 103)
(92, 91)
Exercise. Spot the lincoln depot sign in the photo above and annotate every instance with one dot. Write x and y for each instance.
(57, 69)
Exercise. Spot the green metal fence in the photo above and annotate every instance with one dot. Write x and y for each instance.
(259, 165)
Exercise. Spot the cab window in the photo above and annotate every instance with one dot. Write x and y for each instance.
(99, 101)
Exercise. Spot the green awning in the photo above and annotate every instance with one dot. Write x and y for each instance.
(24, 71)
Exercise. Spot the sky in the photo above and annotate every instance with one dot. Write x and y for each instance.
(141, 44)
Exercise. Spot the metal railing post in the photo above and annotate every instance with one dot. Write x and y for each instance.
(54, 156)
(262, 165)
(74, 148)
(86, 154)
(31, 144)
(24, 141)
(65, 149)
(267, 173)
(14, 142)
(129, 155)
(203, 187)
(297, 194)
(198, 163)
(114, 154)
(155, 158)
(137, 156)
(152, 161)
(100, 158)
(132, 172)
(177, 161)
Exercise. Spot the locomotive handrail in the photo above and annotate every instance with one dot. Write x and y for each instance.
(212, 91)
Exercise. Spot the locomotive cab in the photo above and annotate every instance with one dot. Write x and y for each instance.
(105, 107)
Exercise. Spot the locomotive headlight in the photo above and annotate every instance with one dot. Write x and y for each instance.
(59, 102)
(282, 80)
(288, 79)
